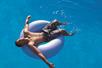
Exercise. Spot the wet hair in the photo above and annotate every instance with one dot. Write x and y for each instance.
(18, 44)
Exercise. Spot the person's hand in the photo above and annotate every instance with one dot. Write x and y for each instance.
(29, 16)
(27, 19)
(74, 32)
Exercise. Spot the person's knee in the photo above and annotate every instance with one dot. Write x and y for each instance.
(59, 31)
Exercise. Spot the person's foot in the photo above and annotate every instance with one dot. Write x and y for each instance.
(65, 33)
(51, 65)
(72, 33)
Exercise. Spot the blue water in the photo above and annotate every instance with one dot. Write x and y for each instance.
(84, 50)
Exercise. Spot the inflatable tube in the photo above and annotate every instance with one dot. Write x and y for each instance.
(49, 49)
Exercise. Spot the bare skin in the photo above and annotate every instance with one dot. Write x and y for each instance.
(32, 39)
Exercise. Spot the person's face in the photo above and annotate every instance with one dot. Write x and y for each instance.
(21, 42)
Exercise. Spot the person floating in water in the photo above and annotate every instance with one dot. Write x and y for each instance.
(49, 32)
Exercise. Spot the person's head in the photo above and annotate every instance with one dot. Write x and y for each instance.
(21, 42)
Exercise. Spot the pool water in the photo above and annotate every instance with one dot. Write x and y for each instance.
(83, 50)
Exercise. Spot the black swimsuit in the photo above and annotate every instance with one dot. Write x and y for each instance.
(46, 36)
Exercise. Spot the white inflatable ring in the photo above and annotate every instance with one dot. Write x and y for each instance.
(49, 49)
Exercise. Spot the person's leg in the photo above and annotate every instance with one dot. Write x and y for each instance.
(61, 32)
(57, 23)
(39, 53)
(66, 33)
(52, 26)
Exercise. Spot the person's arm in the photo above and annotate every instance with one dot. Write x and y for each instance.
(32, 46)
(26, 27)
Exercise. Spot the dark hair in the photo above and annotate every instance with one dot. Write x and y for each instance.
(18, 44)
